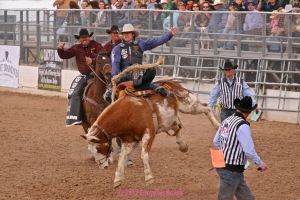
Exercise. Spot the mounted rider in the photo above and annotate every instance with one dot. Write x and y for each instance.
(85, 53)
(130, 51)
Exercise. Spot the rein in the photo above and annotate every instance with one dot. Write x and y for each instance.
(108, 137)
(103, 81)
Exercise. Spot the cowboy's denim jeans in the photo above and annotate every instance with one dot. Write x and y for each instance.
(233, 184)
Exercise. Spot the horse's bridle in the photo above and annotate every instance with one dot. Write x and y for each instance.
(103, 81)
(108, 137)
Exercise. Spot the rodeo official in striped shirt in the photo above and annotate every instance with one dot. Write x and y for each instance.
(227, 89)
(235, 140)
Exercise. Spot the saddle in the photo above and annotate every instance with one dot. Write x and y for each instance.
(127, 88)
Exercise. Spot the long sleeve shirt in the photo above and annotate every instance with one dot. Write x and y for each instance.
(215, 93)
(80, 52)
(245, 139)
(253, 20)
(144, 45)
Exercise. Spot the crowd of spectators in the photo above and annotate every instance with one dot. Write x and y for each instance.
(251, 21)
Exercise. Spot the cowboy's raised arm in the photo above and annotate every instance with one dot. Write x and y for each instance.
(65, 54)
(152, 43)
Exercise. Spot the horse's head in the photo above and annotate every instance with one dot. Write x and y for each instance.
(100, 145)
(103, 65)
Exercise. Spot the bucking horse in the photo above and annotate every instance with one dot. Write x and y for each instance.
(136, 119)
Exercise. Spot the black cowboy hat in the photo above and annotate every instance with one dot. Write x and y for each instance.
(83, 33)
(244, 104)
(229, 65)
(113, 29)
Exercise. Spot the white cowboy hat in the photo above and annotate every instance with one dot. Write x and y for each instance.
(217, 2)
(287, 8)
(163, 1)
(129, 28)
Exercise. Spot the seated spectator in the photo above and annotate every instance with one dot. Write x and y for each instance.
(241, 5)
(141, 21)
(231, 27)
(221, 18)
(151, 5)
(189, 4)
(253, 21)
(156, 20)
(84, 14)
(268, 5)
(102, 16)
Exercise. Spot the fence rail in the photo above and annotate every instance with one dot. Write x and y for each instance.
(193, 55)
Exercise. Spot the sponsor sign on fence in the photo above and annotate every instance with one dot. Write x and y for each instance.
(9, 66)
(49, 77)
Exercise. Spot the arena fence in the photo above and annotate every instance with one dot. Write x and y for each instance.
(276, 82)
(269, 62)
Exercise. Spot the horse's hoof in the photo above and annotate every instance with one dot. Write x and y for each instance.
(117, 184)
(150, 181)
(184, 148)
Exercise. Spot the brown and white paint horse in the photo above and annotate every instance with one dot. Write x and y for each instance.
(139, 119)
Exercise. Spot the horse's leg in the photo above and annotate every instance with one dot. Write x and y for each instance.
(183, 147)
(125, 150)
(147, 141)
(199, 108)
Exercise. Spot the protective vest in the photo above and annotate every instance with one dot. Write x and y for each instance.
(233, 152)
(130, 54)
(228, 93)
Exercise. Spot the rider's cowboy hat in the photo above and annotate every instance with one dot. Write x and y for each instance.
(229, 65)
(127, 28)
(245, 104)
(217, 2)
(113, 29)
(83, 33)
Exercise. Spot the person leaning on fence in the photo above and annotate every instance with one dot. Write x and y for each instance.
(227, 89)
(235, 140)
(130, 52)
(85, 53)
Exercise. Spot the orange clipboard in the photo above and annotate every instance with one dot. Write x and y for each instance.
(217, 158)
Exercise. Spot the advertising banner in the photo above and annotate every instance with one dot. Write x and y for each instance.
(49, 77)
(9, 66)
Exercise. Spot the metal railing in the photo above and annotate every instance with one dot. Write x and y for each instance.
(192, 55)
(34, 30)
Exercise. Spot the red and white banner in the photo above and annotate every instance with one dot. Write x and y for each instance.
(9, 66)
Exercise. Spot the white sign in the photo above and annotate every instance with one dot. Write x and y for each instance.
(9, 66)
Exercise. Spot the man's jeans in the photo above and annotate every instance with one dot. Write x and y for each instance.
(233, 184)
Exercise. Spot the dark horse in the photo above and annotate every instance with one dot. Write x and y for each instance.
(93, 102)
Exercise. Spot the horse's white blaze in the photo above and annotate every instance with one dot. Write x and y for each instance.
(167, 115)
(98, 156)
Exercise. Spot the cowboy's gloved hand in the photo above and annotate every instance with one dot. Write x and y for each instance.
(88, 60)
(61, 45)
(173, 31)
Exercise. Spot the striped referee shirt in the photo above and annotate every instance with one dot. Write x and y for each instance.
(226, 90)
(234, 138)
(230, 92)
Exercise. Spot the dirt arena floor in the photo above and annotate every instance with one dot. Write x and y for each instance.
(42, 159)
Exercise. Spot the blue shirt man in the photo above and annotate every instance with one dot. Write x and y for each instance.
(235, 140)
(227, 89)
